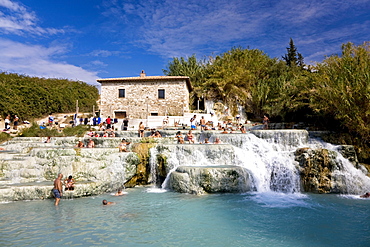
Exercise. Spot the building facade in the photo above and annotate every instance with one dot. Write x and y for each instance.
(143, 96)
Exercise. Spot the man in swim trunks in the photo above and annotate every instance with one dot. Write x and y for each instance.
(202, 123)
(58, 190)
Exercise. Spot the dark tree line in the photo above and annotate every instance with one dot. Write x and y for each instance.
(33, 97)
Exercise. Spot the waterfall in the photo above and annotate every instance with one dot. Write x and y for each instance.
(346, 177)
(270, 163)
(153, 166)
(196, 155)
(268, 155)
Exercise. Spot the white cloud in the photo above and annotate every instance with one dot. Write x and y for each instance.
(36, 60)
(180, 28)
(104, 53)
(15, 18)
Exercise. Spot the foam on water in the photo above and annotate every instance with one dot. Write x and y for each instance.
(352, 197)
(156, 190)
(272, 199)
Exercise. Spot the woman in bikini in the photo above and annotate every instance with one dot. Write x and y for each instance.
(190, 137)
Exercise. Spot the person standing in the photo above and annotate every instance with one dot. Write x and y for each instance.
(141, 129)
(237, 119)
(15, 122)
(108, 121)
(58, 190)
(125, 124)
(202, 123)
(192, 125)
(265, 122)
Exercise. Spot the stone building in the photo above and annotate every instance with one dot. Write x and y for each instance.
(143, 96)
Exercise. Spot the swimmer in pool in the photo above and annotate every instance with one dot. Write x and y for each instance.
(105, 202)
(119, 193)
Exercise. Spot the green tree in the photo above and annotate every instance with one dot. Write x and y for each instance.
(242, 77)
(341, 88)
(194, 69)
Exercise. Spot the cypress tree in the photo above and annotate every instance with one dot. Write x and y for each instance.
(293, 58)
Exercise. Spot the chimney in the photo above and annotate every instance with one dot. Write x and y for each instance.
(142, 74)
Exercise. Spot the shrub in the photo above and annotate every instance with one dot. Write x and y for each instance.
(36, 131)
(79, 130)
(4, 137)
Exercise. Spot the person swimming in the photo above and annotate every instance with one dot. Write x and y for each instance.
(105, 202)
(119, 192)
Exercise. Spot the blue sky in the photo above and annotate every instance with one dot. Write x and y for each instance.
(90, 39)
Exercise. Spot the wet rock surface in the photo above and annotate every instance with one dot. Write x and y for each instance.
(210, 179)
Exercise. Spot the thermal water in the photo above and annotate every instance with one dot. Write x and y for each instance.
(143, 217)
(275, 213)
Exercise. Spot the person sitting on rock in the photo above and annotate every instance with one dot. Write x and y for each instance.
(91, 144)
(123, 145)
(366, 195)
(80, 144)
(90, 133)
(206, 141)
(180, 138)
(190, 137)
(157, 134)
(69, 183)
(217, 141)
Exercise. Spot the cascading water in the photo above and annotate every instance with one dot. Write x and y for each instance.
(196, 155)
(267, 155)
(153, 165)
(271, 168)
(352, 180)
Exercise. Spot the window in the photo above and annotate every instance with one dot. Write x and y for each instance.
(161, 94)
(121, 93)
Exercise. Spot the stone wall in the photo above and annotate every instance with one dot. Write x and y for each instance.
(141, 98)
